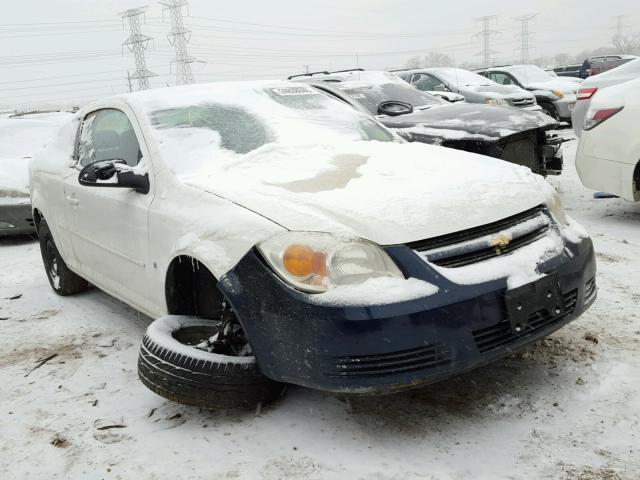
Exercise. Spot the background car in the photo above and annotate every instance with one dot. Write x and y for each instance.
(568, 70)
(475, 88)
(556, 95)
(591, 86)
(601, 63)
(20, 137)
(514, 135)
(608, 157)
(285, 237)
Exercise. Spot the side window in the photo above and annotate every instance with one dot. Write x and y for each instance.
(503, 78)
(108, 135)
(427, 83)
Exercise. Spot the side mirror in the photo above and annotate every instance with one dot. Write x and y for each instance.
(113, 173)
(394, 108)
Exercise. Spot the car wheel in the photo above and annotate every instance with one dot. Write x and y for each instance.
(549, 109)
(62, 280)
(178, 361)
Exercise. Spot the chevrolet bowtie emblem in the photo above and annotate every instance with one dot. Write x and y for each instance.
(500, 243)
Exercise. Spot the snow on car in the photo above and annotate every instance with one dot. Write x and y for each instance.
(20, 137)
(515, 135)
(284, 237)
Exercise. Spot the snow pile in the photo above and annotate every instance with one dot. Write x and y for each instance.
(376, 291)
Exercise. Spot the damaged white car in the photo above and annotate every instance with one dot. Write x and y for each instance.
(284, 237)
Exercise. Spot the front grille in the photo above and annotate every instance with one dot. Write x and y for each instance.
(476, 244)
(499, 335)
(522, 102)
(429, 356)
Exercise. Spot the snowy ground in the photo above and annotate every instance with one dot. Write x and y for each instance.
(566, 408)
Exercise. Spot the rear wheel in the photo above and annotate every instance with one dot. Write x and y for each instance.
(549, 109)
(62, 280)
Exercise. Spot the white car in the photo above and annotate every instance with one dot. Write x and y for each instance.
(20, 137)
(608, 157)
(591, 86)
(284, 236)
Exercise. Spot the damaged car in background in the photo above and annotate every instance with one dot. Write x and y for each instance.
(518, 136)
(278, 235)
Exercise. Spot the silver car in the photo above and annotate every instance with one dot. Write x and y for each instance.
(473, 87)
(624, 73)
(556, 95)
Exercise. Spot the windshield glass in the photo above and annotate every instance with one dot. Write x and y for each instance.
(530, 73)
(220, 125)
(370, 96)
(459, 77)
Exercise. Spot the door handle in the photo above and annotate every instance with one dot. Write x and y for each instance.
(72, 200)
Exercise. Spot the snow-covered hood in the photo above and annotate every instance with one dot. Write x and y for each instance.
(496, 91)
(565, 86)
(470, 121)
(387, 192)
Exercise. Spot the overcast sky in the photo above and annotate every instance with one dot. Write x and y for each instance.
(71, 49)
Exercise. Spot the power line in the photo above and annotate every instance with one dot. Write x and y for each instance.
(524, 35)
(179, 37)
(137, 43)
(486, 34)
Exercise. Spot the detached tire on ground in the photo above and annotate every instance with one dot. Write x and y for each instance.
(169, 366)
(62, 280)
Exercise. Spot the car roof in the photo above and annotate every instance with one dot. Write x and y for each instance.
(161, 97)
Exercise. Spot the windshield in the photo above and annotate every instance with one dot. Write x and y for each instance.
(459, 77)
(370, 96)
(530, 73)
(222, 125)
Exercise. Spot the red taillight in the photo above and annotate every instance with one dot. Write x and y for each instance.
(595, 118)
(586, 93)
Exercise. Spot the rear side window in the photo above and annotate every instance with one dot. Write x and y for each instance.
(427, 83)
(108, 135)
(502, 78)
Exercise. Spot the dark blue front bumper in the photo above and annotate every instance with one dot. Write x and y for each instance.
(392, 347)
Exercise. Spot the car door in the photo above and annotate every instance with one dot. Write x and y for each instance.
(108, 226)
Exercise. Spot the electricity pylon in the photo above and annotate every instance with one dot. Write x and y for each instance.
(179, 37)
(137, 44)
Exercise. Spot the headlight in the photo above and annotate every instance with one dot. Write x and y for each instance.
(557, 210)
(316, 262)
(558, 93)
(495, 101)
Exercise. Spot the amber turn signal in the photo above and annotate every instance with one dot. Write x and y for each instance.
(302, 261)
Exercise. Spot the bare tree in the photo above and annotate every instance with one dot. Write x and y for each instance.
(436, 59)
(413, 62)
(629, 44)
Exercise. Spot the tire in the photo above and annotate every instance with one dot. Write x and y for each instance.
(62, 280)
(550, 109)
(185, 374)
